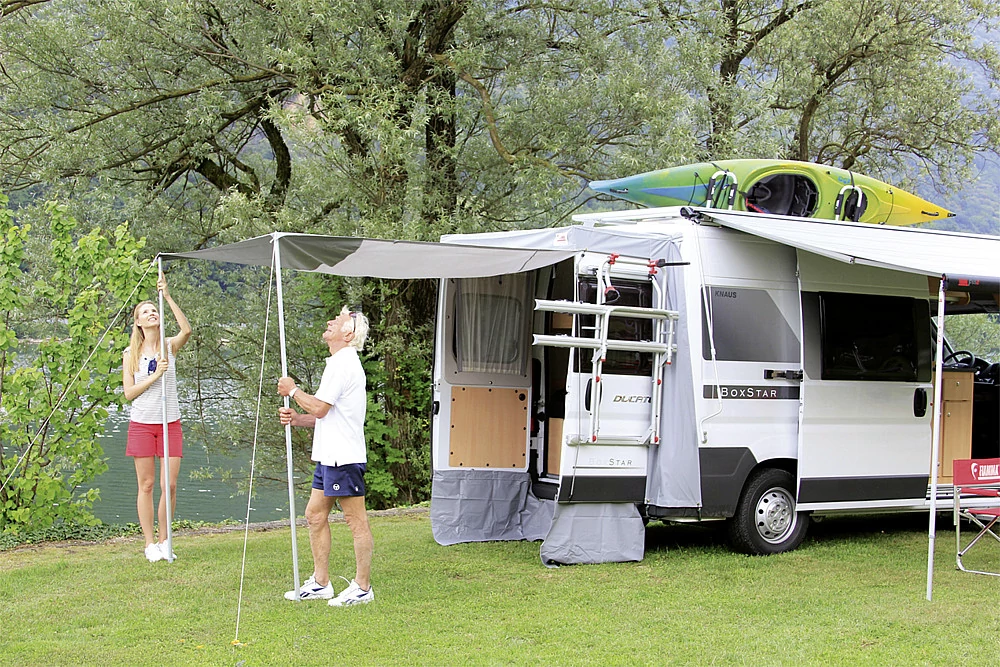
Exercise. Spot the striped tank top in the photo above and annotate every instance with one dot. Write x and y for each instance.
(147, 408)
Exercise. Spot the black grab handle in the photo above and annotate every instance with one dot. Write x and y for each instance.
(919, 402)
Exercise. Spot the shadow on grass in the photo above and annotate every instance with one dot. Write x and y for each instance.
(836, 528)
(666, 536)
(822, 530)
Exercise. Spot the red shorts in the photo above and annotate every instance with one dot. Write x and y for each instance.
(147, 439)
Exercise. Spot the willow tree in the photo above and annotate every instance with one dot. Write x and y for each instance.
(899, 88)
(902, 88)
(397, 118)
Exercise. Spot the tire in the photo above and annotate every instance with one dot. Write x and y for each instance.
(766, 521)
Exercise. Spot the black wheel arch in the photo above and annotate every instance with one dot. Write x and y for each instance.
(724, 475)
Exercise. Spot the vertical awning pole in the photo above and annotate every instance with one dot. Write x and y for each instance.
(936, 437)
(165, 488)
(288, 428)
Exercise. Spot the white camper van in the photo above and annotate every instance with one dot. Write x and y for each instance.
(690, 365)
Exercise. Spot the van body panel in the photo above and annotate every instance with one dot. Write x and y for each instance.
(748, 328)
(860, 441)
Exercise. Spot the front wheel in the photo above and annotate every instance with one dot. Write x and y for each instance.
(766, 521)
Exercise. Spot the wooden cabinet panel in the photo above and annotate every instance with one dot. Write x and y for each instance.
(956, 422)
(957, 386)
(489, 427)
(956, 436)
(554, 453)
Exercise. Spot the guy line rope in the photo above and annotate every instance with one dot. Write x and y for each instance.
(253, 455)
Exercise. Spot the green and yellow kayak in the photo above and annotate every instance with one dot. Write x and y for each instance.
(779, 187)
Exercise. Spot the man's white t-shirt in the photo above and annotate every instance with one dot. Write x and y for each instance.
(339, 437)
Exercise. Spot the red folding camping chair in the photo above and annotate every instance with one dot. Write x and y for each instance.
(977, 499)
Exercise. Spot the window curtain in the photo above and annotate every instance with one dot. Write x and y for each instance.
(491, 317)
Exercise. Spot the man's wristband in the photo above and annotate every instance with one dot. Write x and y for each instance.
(291, 394)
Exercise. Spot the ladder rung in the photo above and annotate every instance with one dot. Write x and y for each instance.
(595, 344)
(595, 309)
(609, 440)
(663, 350)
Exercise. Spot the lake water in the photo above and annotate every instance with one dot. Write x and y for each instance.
(211, 500)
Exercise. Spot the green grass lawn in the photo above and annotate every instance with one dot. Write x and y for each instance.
(853, 594)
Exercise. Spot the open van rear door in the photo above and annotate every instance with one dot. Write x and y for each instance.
(620, 340)
(864, 432)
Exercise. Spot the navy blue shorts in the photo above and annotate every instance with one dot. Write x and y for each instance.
(345, 480)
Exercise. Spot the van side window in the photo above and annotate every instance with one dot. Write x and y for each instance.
(618, 362)
(870, 337)
(747, 326)
(490, 324)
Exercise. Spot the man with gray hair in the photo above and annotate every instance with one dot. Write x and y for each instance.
(337, 414)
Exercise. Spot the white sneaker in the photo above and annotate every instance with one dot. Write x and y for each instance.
(153, 553)
(163, 551)
(310, 590)
(353, 595)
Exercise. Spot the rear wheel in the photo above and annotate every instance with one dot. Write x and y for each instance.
(766, 521)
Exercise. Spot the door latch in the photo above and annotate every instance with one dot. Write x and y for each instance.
(771, 374)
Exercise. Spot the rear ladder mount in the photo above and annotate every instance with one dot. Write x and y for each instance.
(662, 346)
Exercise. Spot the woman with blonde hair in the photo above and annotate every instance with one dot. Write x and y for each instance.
(145, 370)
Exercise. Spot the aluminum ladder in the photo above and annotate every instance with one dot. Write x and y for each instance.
(662, 345)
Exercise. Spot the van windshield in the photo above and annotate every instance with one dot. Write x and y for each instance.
(979, 333)
(972, 341)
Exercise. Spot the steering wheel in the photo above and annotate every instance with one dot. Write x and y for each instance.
(961, 357)
(897, 364)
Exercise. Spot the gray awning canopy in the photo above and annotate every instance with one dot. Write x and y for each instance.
(971, 261)
(924, 251)
(377, 258)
